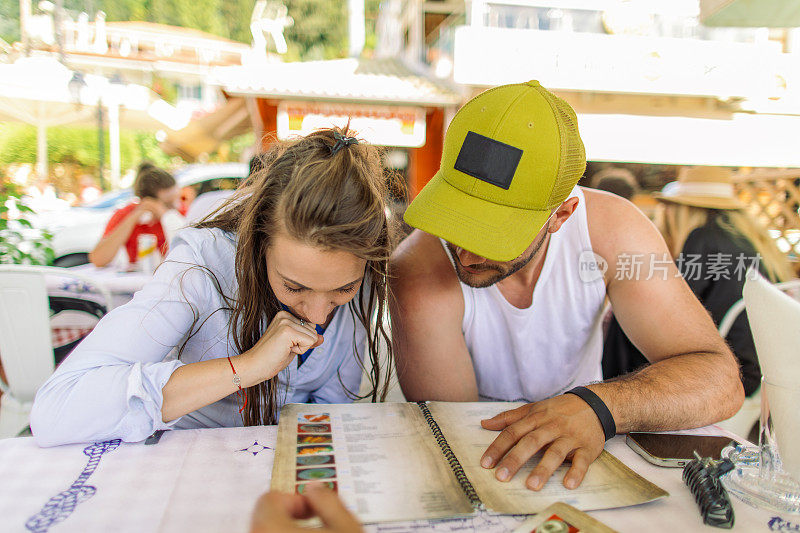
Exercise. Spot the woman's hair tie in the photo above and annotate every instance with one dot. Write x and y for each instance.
(341, 142)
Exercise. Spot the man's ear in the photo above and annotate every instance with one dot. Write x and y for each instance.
(562, 213)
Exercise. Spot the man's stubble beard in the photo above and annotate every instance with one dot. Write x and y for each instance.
(510, 268)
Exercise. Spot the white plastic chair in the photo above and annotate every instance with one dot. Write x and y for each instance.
(26, 349)
(743, 420)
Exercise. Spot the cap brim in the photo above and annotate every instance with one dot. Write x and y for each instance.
(496, 232)
(700, 201)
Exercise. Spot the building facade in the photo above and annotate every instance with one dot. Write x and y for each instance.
(649, 82)
(173, 61)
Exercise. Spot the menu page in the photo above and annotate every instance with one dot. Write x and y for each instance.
(608, 482)
(382, 460)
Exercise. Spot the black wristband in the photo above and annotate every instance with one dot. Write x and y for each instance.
(599, 408)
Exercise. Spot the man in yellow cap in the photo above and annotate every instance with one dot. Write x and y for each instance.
(498, 295)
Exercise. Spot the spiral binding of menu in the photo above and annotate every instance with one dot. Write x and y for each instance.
(454, 463)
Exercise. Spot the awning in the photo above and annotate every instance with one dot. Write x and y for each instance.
(743, 140)
(204, 135)
(375, 81)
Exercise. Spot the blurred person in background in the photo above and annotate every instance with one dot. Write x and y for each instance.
(157, 193)
(714, 241)
(42, 189)
(619, 181)
(89, 191)
(42, 196)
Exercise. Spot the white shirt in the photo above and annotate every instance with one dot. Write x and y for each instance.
(110, 386)
(555, 344)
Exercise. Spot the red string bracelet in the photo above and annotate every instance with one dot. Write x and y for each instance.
(238, 382)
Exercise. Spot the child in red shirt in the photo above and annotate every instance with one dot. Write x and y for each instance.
(158, 193)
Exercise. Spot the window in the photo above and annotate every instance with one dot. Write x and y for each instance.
(190, 92)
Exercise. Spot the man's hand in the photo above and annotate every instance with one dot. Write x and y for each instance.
(565, 427)
(276, 512)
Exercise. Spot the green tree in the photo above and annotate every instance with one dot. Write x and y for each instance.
(371, 12)
(20, 242)
(319, 30)
(9, 20)
(235, 15)
(77, 145)
(149, 150)
(121, 9)
(198, 14)
(203, 15)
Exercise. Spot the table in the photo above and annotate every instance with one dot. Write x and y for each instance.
(209, 479)
(120, 283)
(69, 326)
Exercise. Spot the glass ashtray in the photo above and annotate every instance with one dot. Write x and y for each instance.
(769, 488)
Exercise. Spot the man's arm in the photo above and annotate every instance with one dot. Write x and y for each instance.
(427, 308)
(693, 379)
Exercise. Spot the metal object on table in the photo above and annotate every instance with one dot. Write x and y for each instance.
(155, 437)
(702, 476)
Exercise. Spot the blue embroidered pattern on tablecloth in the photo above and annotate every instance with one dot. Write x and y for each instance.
(59, 507)
(76, 285)
(255, 448)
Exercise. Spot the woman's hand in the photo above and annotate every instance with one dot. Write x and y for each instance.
(196, 385)
(285, 337)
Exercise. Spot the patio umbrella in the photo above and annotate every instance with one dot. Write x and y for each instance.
(41, 91)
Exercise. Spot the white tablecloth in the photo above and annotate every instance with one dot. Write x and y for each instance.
(209, 479)
(69, 326)
(120, 283)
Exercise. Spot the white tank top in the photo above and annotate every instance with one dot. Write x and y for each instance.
(553, 345)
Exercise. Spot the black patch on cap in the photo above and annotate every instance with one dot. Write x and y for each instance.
(488, 160)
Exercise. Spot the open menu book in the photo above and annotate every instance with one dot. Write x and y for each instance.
(410, 461)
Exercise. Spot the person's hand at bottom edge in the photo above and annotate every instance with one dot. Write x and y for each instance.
(277, 512)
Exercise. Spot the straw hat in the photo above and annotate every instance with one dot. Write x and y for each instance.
(708, 187)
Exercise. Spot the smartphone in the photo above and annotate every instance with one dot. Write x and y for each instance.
(673, 450)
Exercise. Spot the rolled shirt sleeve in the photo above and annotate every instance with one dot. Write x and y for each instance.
(111, 385)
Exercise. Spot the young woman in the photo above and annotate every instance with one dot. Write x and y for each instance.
(157, 194)
(274, 297)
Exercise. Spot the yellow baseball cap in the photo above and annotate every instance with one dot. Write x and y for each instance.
(511, 155)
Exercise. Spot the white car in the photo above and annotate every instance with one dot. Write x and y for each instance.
(77, 230)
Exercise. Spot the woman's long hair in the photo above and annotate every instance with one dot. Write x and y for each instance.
(334, 201)
(677, 221)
